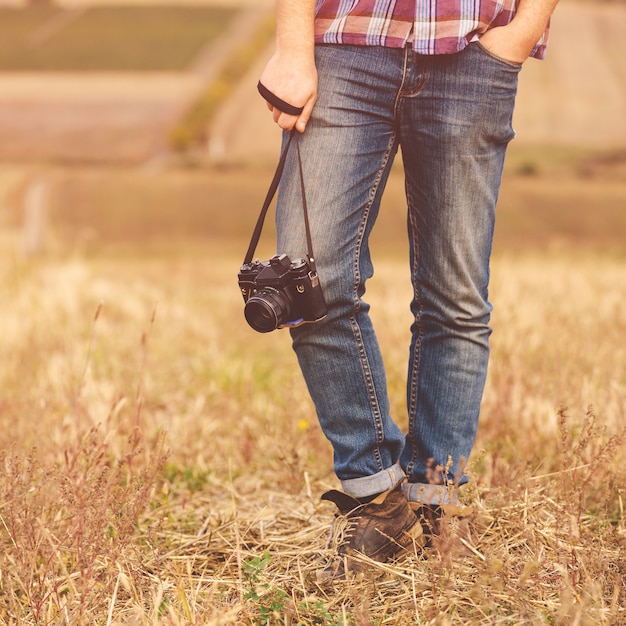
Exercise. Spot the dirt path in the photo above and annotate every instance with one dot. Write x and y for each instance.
(105, 116)
(576, 97)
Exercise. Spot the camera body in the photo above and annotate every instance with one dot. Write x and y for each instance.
(280, 293)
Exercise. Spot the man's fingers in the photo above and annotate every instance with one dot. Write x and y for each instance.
(285, 115)
(278, 103)
(286, 122)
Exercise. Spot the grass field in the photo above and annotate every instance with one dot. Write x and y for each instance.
(127, 38)
(162, 464)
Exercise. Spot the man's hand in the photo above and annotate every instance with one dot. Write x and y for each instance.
(290, 74)
(508, 44)
(516, 41)
(293, 80)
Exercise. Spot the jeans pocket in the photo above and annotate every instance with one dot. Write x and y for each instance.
(488, 53)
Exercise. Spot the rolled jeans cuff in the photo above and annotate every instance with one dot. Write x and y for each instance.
(375, 484)
(431, 495)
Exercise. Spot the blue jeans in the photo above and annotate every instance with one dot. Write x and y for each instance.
(451, 117)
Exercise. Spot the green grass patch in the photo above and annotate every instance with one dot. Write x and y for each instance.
(123, 38)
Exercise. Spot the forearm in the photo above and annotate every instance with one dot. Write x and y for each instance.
(532, 17)
(294, 26)
(290, 74)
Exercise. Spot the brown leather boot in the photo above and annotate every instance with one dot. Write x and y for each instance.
(447, 528)
(379, 530)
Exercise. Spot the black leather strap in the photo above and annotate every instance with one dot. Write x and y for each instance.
(305, 210)
(256, 235)
(277, 102)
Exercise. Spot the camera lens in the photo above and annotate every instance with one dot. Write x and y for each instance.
(266, 311)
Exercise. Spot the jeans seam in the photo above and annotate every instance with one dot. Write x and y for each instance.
(399, 94)
(412, 408)
(356, 330)
(423, 77)
(371, 391)
(516, 65)
(414, 234)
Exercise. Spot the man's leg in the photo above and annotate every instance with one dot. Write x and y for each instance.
(347, 151)
(454, 129)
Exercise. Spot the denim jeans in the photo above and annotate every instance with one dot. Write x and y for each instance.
(451, 117)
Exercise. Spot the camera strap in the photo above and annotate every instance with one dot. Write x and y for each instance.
(256, 235)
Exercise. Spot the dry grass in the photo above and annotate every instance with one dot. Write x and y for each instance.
(161, 462)
(107, 363)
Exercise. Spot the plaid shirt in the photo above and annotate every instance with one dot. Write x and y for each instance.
(435, 26)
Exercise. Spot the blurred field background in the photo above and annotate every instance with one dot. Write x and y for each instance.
(161, 462)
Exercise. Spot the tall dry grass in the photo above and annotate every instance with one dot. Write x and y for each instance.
(162, 464)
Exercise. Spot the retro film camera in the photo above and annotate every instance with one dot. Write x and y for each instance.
(281, 292)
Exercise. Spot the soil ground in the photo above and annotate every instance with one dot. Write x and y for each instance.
(575, 98)
(108, 117)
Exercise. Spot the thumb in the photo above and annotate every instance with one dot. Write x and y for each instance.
(304, 117)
